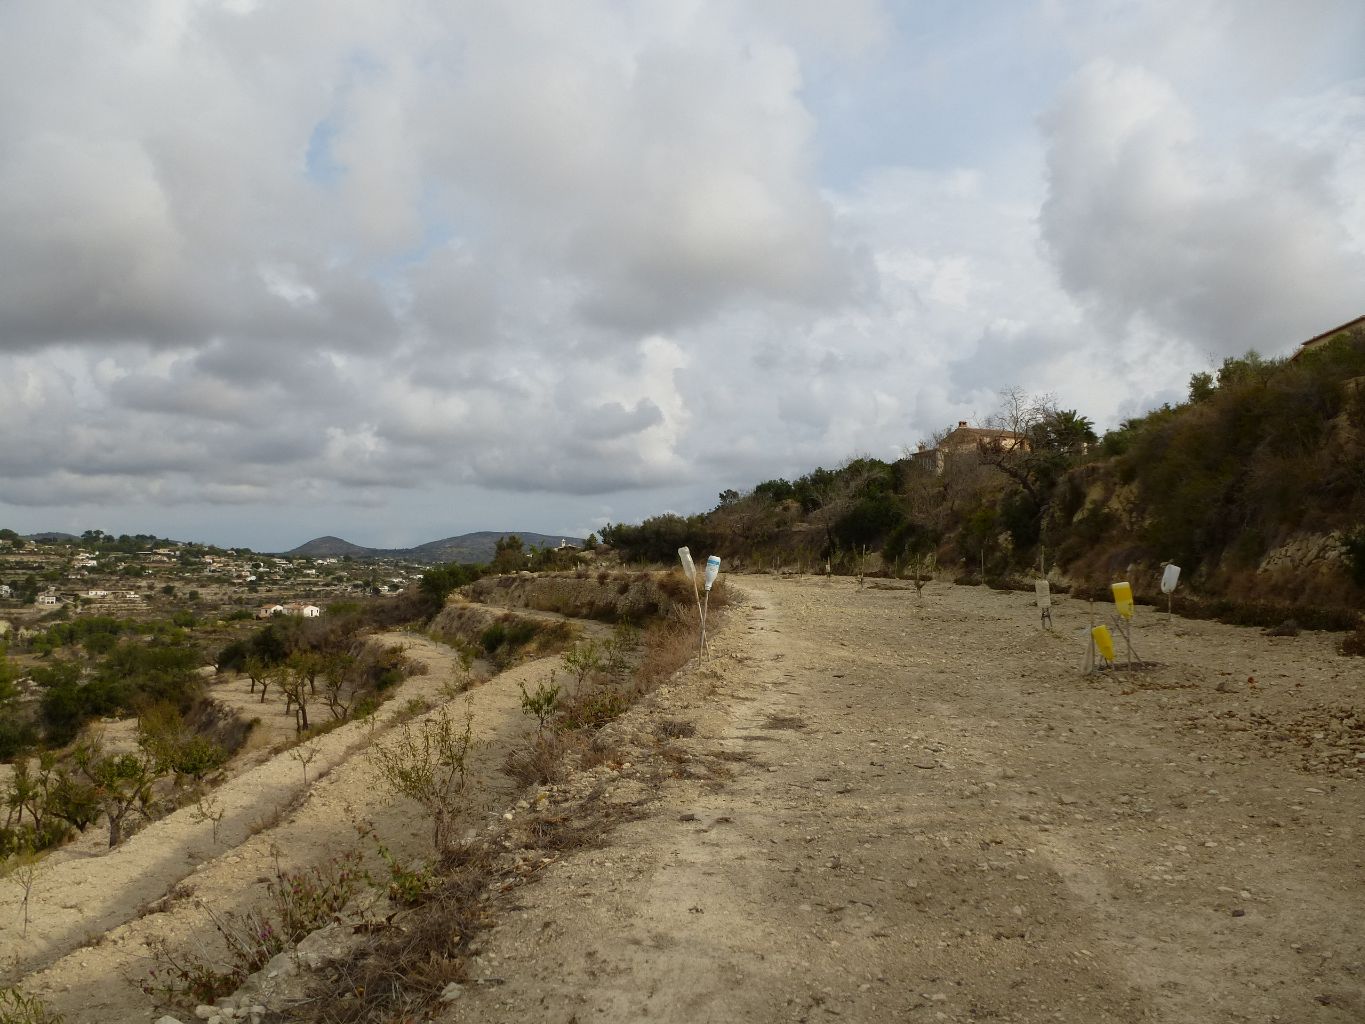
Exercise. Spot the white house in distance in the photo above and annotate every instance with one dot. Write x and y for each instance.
(48, 599)
(5, 591)
(307, 611)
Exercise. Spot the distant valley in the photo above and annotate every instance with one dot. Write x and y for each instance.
(467, 547)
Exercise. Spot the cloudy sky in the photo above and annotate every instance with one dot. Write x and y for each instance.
(397, 270)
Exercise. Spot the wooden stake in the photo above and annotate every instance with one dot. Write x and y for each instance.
(1090, 644)
(701, 618)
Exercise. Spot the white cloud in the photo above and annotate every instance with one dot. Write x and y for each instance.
(1228, 249)
(413, 257)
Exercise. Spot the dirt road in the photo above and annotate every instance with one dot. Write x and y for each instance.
(902, 810)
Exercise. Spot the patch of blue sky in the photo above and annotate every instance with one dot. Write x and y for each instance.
(955, 86)
(320, 163)
(393, 273)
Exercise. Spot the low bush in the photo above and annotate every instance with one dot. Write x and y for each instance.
(428, 763)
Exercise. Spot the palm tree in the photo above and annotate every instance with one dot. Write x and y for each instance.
(1068, 432)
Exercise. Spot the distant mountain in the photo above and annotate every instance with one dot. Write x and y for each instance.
(330, 547)
(468, 547)
(52, 537)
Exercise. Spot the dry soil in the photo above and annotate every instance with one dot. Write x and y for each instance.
(932, 815)
(866, 805)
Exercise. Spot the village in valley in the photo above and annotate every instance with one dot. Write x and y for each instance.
(143, 576)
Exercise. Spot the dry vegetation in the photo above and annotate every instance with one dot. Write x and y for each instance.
(1254, 486)
(403, 958)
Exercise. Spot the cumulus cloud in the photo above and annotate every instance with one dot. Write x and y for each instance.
(1231, 249)
(371, 261)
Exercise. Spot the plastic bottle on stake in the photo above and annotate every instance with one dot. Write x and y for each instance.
(712, 571)
(1170, 578)
(689, 570)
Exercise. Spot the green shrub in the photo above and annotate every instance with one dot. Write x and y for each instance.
(1354, 545)
(17, 734)
(16, 839)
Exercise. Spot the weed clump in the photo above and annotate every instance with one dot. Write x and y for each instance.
(299, 903)
(17, 1007)
(541, 762)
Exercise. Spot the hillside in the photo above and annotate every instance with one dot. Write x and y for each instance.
(472, 548)
(329, 547)
(1255, 486)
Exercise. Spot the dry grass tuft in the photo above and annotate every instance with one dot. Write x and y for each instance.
(675, 728)
(565, 833)
(600, 752)
(542, 762)
(668, 645)
(1353, 644)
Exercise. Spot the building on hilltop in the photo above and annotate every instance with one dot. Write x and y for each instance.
(1327, 337)
(966, 440)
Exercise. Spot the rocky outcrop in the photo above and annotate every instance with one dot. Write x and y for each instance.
(1306, 551)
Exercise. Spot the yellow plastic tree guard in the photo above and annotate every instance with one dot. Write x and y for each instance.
(1104, 643)
(1123, 599)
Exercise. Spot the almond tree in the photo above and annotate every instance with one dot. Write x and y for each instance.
(123, 783)
(308, 665)
(296, 695)
(336, 676)
(259, 673)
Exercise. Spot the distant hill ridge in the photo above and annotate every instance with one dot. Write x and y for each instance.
(467, 547)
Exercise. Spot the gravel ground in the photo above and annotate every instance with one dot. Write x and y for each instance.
(902, 809)
(865, 805)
